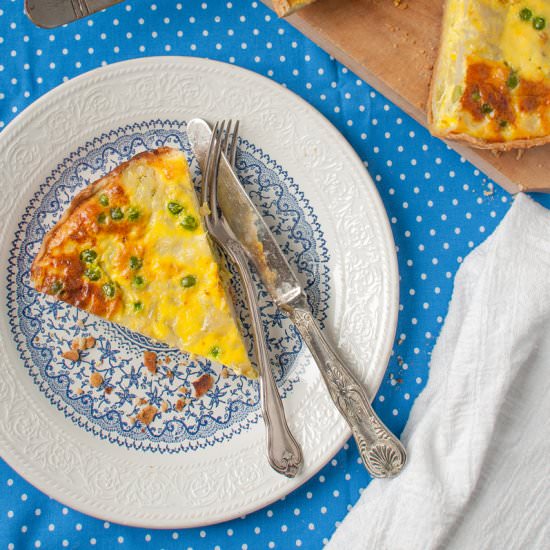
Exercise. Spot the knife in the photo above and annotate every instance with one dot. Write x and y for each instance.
(382, 453)
(53, 13)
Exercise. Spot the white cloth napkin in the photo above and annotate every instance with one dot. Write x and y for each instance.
(478, 437)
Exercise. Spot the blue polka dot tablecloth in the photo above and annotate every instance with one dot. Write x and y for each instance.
(440, 207)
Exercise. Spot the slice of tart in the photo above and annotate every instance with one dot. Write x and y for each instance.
(131, 248)
(491, 83)
(286, 7)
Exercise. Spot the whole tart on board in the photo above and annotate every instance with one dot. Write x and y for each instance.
(132, 249)
(491, 82)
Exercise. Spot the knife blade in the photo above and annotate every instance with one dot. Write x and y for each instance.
(381, 452)
(247, 224)
(54, 13)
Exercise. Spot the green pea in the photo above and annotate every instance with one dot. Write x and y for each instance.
(138, 306)
(503, 123)
(138, 281)
(135, 263)
(117, 214)
(102, 218)
(486, 109)
(174, 207)
(56, 288)
(188, 281)
(93, 273)
(476, 96)
(513, 81)
(88, 256)
(133, 213)
(190, 223)
(539, 23)
(525, 14)
(104, 200)
(108, 290)
(215, 352)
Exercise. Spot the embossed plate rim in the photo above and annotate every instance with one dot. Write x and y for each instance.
(269, 104)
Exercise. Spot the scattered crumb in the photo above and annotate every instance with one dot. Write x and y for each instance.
(400, 341)
(96, 379)
(164, 406)
(184, 390)
(180, 403)
(140, 401)
(202, 384)
(89, 342)
(150, 361)
(224, 373)
(169, 374)
(167, 360)
(81, 343)
(489, 191)
(400, 360)
(79, 391)
(520, 153)
(108, 390)
(132, 420)
(71, 355)
(78, 343)
(204, 210)
(80, 323)
(147, 414)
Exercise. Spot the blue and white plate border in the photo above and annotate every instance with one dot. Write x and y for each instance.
(153, 490)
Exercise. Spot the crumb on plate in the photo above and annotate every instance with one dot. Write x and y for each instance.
(202, 384)
(71, 355)
(180, 403)
(150, 361)
(96, 379)
(147, 414)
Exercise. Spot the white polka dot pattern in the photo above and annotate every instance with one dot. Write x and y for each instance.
(439, 206)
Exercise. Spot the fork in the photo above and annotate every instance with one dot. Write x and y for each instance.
(283, 452)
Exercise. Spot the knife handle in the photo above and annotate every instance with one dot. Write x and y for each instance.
(381, 452)
(283, 451)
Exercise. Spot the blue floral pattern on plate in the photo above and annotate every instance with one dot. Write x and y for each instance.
(44, 328)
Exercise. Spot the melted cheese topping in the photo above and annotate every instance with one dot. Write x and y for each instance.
(493, 77)
(135, 252)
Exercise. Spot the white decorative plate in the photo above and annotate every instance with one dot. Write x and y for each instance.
(206, 463)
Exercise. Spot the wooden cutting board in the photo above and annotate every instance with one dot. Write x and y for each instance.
(394, 50)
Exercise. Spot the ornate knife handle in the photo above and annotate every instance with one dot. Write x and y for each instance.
(283, 451)
(382, 453)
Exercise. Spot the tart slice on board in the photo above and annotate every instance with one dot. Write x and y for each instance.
(131, 248)
(491, 83)
(286, 7)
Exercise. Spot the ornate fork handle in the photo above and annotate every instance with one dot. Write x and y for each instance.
(284, 453)
(382, 453)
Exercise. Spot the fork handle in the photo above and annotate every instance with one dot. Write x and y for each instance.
(283, 451)
(381, 452)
